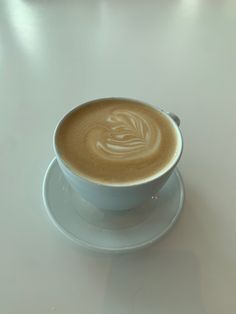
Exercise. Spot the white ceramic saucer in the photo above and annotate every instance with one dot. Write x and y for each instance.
(105, 231)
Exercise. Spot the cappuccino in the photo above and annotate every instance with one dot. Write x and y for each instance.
(116, 141)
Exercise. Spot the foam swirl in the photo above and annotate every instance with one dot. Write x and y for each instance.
(123, 134)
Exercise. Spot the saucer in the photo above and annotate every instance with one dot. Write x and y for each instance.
(113, 231)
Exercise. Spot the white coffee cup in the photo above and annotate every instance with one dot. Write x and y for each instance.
(126, 195)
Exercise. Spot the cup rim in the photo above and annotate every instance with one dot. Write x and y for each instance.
(171, 165)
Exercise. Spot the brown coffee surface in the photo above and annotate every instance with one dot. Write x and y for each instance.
(116, 140)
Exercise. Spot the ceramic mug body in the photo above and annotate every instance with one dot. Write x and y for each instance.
(121, 196)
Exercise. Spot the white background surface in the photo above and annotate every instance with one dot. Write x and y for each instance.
(178, 54)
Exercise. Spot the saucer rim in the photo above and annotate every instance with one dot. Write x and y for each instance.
(105, 249)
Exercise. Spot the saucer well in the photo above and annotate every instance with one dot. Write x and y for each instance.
(107, 231)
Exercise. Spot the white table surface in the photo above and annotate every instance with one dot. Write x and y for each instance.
(179, 54)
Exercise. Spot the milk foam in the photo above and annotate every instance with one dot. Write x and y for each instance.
(123, 135)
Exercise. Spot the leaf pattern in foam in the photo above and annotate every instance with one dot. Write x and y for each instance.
(128, 134)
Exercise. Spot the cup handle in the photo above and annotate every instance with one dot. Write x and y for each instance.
(174, 117)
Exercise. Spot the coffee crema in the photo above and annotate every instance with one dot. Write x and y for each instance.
(116, 140)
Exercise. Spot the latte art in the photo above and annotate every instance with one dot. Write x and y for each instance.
(116, 141)
(123, 135)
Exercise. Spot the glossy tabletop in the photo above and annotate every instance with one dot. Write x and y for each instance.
(176, 54)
